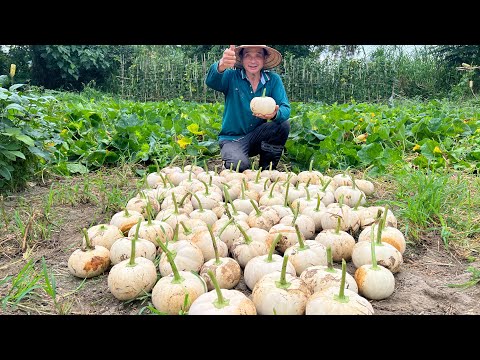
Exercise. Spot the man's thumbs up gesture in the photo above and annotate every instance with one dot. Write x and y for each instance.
(228, 59)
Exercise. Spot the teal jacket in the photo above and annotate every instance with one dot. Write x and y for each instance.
(237, 117)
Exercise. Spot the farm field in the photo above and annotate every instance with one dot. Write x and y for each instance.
(89, 158)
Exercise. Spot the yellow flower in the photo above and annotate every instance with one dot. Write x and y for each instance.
(194, 129)
(361, 137)
(361, 119)
(184, 141)
(372, 114)
(13, 68)
(416, 147)
(437, 150)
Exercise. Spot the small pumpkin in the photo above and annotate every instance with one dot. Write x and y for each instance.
(263, 105)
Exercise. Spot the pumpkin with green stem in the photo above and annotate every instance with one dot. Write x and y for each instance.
(374, 281)
(366, 186)
(194, 167)
(227, 230)
(258, 183)
(271, 197)
(189, 227)
(103, 234)
(191, 183)
(242, 203)
(176, 177)
(294, 192)
(265, 264)
(155, 178)
(251, 173)
(337, 300)
(334, 211)
(368, 216)
(264, 105)
(283, 209)
(343, 179)
(209, 197)
(226, 269)
(389, 234)
(386, 254)
(351, 194)
(288, 236)
(186, 255)
(247, 247)
(231, 210)
(263, 217)
(132, 277)
(310, 175)
(320, 277)
(206, 215)
(125, 219)
(234, 175)
(204, 241)
(169, 292)
(280, 293)
(340, 241)
(139, 204)
(121, 249)
(153, 230)
(89, 260)
(305, 223)
(220, 301)
(315, 213)
(304, 202)
(306, 253)
(172, 216)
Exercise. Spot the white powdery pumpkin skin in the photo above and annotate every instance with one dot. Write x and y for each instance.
(188, 257)
(89, 263)
(374, 284)
(316, 254)
(387, 255)
(228, 273)
(262, 105)
(324, 303)
(122, 248)
(239, 304)
(169, 297)
(103, 234)
(270, 299)
(318, 278)
(341, 244)
(257, 267)
(126, 282)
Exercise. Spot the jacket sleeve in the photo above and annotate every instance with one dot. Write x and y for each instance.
(216, 80)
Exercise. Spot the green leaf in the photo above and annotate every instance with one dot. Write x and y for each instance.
(77, 168)
(368, 153)
(5, 173)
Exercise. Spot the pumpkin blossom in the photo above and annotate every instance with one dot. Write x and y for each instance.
(184, 141)
(416, 147)
(194, 129)
(437, 150)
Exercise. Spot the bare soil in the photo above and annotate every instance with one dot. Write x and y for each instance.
(421, 286)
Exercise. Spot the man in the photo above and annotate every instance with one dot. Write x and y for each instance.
(242, 74)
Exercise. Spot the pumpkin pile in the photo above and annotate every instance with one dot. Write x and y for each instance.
(192, 235)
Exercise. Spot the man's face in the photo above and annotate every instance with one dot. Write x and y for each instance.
(253, 59)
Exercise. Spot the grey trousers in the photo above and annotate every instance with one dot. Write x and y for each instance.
(267, 140)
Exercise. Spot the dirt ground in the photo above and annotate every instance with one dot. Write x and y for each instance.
(421, 286)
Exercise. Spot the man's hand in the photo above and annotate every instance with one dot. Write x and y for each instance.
(268, 116)
(228, 59)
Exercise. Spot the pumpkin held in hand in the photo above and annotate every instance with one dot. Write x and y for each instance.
(263, 105)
